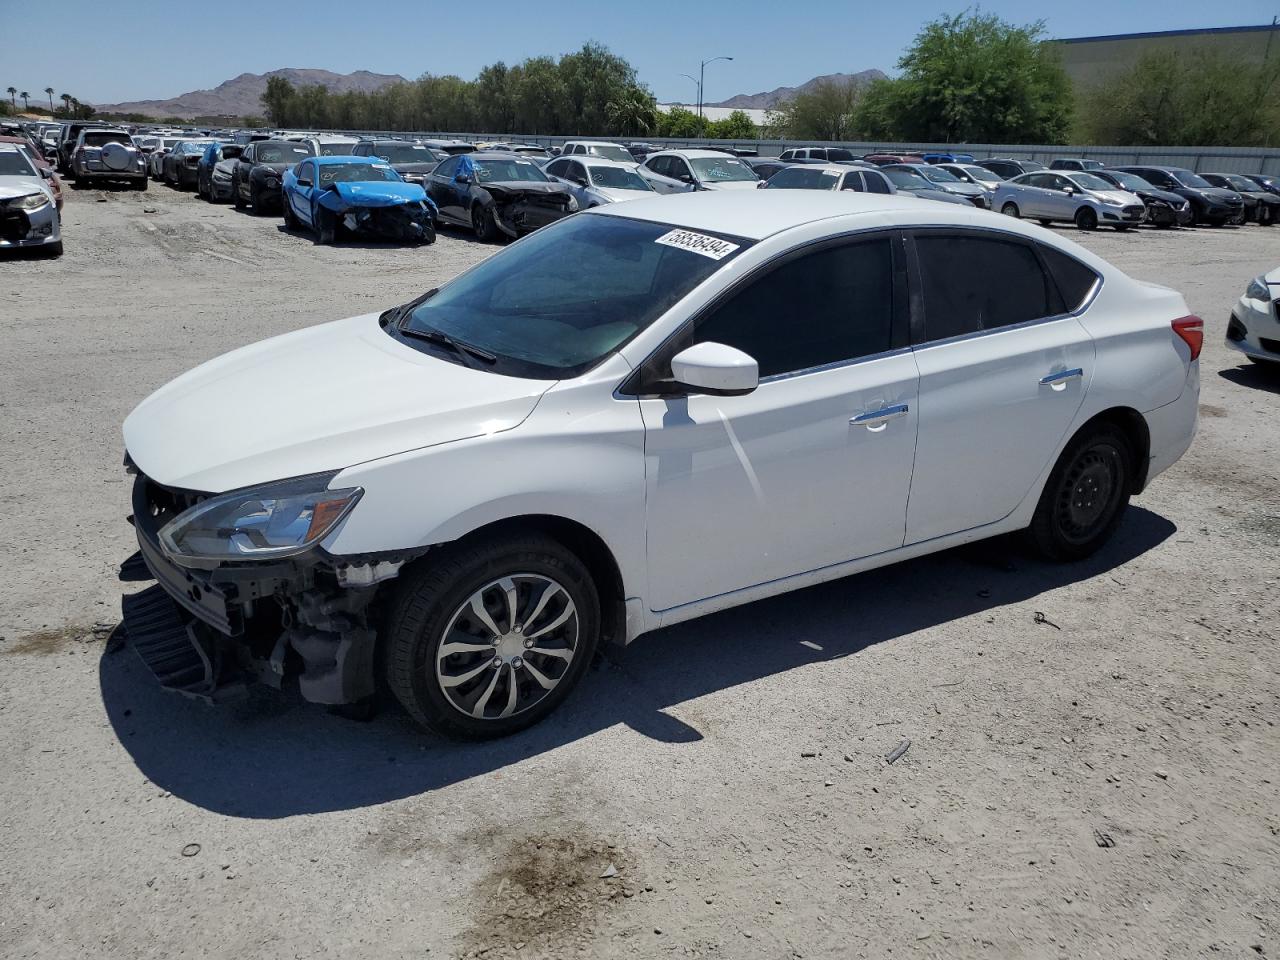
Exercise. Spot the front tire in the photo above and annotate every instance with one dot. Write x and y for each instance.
(1086, 219)
(487, 639)
(236, 198)
(1086, 494)
(486, 230)
(1010, 209)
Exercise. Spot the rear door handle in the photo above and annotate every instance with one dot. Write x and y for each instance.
(1060, 379)
(877, 420)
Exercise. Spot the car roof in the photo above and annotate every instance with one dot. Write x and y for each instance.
(497, 155)
(829, 167)
(693, 154)
(595, 143)
(756, 214)
(598, 161)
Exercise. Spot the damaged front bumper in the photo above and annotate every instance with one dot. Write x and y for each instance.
(407, 222)
(211, 633)
(521, 215)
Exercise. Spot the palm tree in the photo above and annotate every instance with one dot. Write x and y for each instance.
(66, 102)
(49, 91)
(25, 97)
(12, 97)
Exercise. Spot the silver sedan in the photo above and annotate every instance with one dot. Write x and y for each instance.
(1064, 195)
(594, 181)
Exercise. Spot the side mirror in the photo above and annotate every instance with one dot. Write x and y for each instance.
(46, 173)
(462, 178)
(716, 369)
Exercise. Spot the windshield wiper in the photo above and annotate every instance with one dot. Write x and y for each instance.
(396, 315)
(459, 347)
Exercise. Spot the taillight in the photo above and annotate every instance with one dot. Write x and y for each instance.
(1191, 330)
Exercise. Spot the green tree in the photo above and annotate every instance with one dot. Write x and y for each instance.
(823, 112)
(1187, 99)
(12, 97)
(680, 123)
(278, 99)
(25, 98)
(972, 78)
(633, 112)
(736, 126)
(49, 91)
(495, 98)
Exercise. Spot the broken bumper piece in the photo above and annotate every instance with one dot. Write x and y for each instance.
(210, 633)
(409, 223)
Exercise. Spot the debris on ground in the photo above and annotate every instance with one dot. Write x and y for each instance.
(1041, 618)
(1103, 839)
(896, 753)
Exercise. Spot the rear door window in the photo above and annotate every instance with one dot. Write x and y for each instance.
(1074, 280)
(972, 283)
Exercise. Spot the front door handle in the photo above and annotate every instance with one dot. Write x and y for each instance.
(877, 420)
(1059, 380)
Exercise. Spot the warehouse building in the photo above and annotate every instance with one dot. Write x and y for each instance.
(1090, 59)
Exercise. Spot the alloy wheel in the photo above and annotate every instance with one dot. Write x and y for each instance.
(507, 646)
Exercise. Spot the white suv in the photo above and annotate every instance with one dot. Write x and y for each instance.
(597, 148)
(636, 416)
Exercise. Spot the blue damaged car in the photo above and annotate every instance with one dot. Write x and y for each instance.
(358, 196)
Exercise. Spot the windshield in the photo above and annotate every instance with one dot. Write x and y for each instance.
(15, 164)
(560, 300)
(902, 177)
(169, 143)
(839, 153)
(618, 178)
(280, 153)
(1189, 179)
(981, 173)
(1089, 182)
(340, 148)
(938, 175)
(1242, 184)
(1029, 165)
(1130, 181)
(490, 171)
(405, 152)
(608, 151)
(803, 178)
(721, 169)
(192, 148)
(355, 173)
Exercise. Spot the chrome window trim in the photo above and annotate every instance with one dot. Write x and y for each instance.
(835, 365)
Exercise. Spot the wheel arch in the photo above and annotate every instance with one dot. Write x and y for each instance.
(1134, 426)
(584, 542)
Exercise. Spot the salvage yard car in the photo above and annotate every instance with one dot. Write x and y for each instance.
(1209, 204)
(497, 194)
(593, 181)
(639, 415)
(256, 174)
(1064, 195)
(680, 171)
(1254, 327)
(28, 213)
(104, 155)
(214, 154)
(1164, 209)
(413, 161)
(832, 176)
(356, 195)
(180, 166)
(1260, 206)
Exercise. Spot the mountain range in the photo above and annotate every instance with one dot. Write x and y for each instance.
(240, 97)
(771, 98)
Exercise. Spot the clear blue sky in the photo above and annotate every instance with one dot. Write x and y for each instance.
(113, 50)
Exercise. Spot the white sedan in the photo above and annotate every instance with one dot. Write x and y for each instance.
(634, 417)
(593, 182)
(687, 171)
(1254, 327)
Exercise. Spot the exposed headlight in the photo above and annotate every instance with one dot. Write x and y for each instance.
(273, 182)
(573, 204)
(276, 520)
(31, 201)
(1258, 290)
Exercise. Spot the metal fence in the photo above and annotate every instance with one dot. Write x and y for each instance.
(1213, 159)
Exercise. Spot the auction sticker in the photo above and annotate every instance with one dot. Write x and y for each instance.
(712, 247)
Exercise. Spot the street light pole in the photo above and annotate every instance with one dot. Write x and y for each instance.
(696, 84)
(702, 72)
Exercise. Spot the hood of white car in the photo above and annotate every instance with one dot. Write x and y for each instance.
(21, 186)
(1118, 196)
(617, 196)
(318, 399)
(731, 185)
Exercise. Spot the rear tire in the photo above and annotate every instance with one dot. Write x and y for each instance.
(236, 198)
(1010, 209)
(1086, 219)
(1045, 223)
(1086, 494)
(436, 602)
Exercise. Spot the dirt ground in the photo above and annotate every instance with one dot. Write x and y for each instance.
(1093, 759)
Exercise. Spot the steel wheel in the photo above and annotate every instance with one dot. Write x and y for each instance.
(1087, 218)
(1086, 494)
(507, 646)
(1010, 209)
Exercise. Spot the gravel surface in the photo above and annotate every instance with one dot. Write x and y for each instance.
(1093, 758)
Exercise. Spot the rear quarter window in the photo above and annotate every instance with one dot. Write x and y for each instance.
(1074, 280)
